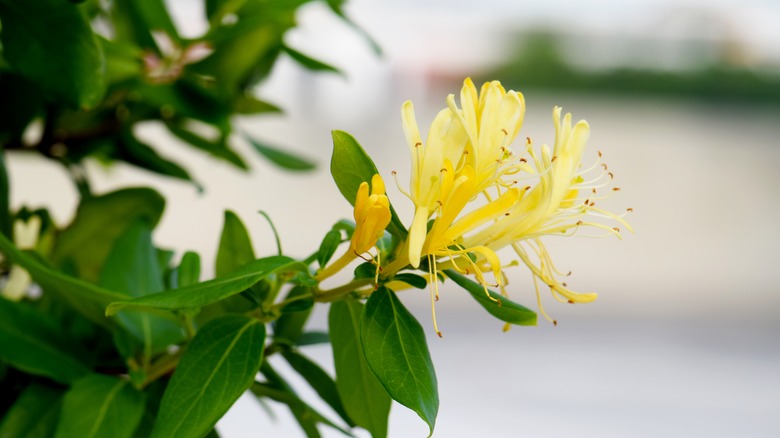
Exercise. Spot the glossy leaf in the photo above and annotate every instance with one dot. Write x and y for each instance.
(328, 247)
(413, 280)
(34, 414)
(283, 159)
(202, 294)
(365, 400)
(351, 166)
(235, 246)
(34, 343)
(131, 267)
(505, 309)
(218, 366)
(322, 383)
(99, 221)
(396, 351)
(100, 406)
(51, 43)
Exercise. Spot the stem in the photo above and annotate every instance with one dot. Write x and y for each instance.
(283, 303)
(341, 291)
(162, 367)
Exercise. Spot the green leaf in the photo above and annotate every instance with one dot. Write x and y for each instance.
(283, 159)
(5, 216)
(290, 325)
(202, 294)
(351, 166)
(131, 267)
(51, 43)
(86, 298)
(142, 155)
(247, 104)
(313, 338)
(413, 280)
(328, 247)
(397, 353)
(365, 400)
(135, 20)
(99, 222)
(100, 406)
(309, 62)
(218, 149)
(277, 389)
(322, 383)
(189, 269)
(505, 309)
(235, 246)
(33, 343)
(34, 414)
(218, 366)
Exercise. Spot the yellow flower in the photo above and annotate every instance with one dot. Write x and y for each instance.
(372, 215)
(446, 141)
(468, 157)
(554, 206)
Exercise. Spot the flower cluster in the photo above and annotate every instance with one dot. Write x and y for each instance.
(482, 196)
(474, 195)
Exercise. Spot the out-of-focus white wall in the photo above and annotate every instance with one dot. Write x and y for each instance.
(682, 340)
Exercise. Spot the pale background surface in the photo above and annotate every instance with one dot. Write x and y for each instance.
(683, 340)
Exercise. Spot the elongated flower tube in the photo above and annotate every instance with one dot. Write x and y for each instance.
(372, 215)
(446, 141)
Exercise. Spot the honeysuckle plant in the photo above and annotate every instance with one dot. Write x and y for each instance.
(103, 333)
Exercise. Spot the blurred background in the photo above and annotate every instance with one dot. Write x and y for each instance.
(683, 99)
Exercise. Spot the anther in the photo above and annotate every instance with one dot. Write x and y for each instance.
(611, 175)
(523, 160)
(599, 152)
(394, 173)
(579, 223)
(504, 131)
(604, 165)
(553, 159)
(593, 190)
(418, 144)
(617, 230)
(564, 284)
(528, 140)
(443, 169)
(527, 188)
(630, 210)
(570, 301)
(587, 201)
(592, 203)
(439, 334)
(506, 214)
(555, 322)
(615, 189)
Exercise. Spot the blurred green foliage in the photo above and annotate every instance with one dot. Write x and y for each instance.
(540, 63)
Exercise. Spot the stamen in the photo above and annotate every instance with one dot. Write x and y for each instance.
(398, 185)
(504, 131)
